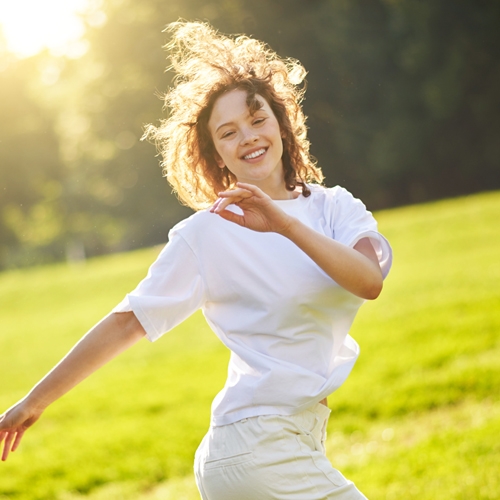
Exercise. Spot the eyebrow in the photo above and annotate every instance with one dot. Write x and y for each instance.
(223, 125)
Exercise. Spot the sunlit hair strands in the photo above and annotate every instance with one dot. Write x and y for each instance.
(209, 64)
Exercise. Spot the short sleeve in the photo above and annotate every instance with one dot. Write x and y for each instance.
(172, 290)
(351, 222)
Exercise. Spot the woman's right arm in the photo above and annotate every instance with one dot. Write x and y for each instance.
(113, 335)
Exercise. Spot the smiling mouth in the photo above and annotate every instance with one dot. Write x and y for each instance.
(255, 154)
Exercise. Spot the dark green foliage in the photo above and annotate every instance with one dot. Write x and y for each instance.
(403, 107)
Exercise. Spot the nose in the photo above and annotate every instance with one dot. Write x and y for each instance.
(249, 137)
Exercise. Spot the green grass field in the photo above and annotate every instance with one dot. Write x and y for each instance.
(419, 417)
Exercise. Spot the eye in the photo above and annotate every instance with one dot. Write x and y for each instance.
(227, 134)
(258, 121)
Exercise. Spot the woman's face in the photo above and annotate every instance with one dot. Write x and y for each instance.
(250, 146)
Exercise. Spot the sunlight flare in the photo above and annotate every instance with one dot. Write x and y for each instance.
(30, 26)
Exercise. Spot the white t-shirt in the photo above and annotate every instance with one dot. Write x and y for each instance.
(284, 319)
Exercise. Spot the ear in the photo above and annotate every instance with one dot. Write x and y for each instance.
(219, 160)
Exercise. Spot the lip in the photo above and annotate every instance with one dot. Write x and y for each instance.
(253, 150)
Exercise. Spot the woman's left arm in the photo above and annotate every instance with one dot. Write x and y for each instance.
(355, 269)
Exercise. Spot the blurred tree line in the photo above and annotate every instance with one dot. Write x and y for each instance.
(403, 106)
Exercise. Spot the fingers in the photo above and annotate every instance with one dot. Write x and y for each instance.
(17, 441)
(237, 195)
(250, 187)
(220, 205)
(7, 445)
(227, 198)
(216, 206)
(244, 190)
(232, 217)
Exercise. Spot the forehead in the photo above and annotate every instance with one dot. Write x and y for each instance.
(232, 106)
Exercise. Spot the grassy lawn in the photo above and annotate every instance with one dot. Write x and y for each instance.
(419, 417)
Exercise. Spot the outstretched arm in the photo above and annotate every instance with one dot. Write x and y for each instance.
(355, 269)
(111, 336)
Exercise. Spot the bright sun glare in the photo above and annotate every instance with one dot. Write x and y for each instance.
(30, 26)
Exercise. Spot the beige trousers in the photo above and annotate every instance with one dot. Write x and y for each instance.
(271, 457)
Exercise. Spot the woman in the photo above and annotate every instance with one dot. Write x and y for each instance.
(278, 264)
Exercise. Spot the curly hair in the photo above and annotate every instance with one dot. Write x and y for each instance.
(209, 64)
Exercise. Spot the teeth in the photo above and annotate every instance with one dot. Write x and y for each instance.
(255, 154)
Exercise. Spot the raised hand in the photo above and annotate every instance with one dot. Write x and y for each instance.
(260, 213)
(355, 269)
(14, 423)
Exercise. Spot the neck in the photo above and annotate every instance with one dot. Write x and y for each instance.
(275, 188)
(286, 195)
